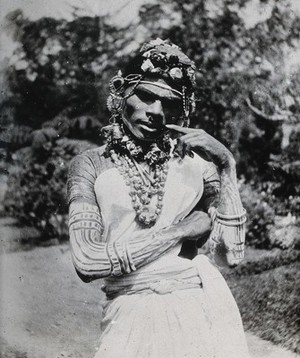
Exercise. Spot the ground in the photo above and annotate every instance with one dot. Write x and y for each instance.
(47, 312)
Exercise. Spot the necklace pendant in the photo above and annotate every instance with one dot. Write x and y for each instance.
(148, 215)
(145, 190)
(144, 181)
(145, 200)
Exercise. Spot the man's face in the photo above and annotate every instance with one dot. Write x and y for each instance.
(149, 109)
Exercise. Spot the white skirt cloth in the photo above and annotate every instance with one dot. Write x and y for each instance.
(173, 317)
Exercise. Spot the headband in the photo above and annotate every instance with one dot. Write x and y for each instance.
(160, 85)
(157, 59)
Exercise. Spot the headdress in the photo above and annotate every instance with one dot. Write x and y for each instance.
(156, 59)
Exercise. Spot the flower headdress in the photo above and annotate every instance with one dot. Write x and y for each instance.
(157, 59)
(166, 60)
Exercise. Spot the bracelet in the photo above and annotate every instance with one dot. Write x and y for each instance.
(109, 258)
(129, 257)
(220, 222)
(231, 217)
(123, 259)
(232, 223)
(115, 264)
(227, 220)
(118, 250)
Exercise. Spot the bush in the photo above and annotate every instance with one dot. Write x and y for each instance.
(260, 216)
(36, 194)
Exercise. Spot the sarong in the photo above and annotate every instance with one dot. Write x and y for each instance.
(173, 313)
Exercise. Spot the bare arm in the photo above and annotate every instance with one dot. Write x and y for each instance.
(95, 259)
(227, 241)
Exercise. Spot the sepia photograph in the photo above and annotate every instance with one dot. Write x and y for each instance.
(150, 179)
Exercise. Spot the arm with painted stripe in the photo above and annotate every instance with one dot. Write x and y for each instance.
(94, 258)
(228, 232)
(221, 194)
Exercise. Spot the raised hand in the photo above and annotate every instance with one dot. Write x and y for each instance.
(202, 143)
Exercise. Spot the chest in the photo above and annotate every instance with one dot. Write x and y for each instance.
(183, 186)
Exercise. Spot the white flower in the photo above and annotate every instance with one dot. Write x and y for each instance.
(147, 54)
(157, 42)
(176, 73)
(147, 65)
(156, 70)
(125, 139)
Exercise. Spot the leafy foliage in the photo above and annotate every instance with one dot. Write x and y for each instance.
(260, 216)
(248, 92)
(37, 193)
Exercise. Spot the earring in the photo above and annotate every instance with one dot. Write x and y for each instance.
(117, 132)
(114, 132)
(116, 84)
(115, 101)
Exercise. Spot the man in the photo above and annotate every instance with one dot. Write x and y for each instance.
(138, 201)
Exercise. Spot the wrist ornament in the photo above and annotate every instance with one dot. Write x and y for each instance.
(228, 231)
(231, 220)
(120, 258)
(114, 261)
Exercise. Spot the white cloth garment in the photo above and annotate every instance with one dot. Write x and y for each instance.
(172, 307)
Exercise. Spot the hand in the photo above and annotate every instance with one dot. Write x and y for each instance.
(201, 143)
(195, 226)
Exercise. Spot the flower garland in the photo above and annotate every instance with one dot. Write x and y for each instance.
(127, 155)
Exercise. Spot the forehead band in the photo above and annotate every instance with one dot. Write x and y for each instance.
(157, 84)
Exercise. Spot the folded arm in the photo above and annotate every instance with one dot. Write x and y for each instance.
(228, 233)
(94, 258)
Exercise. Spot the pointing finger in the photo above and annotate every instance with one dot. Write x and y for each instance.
(179, 129)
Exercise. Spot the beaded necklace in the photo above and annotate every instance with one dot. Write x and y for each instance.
(143, 187)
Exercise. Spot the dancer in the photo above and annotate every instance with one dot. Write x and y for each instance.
(141, 205)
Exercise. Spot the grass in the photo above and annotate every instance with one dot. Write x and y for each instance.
(269, 304)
